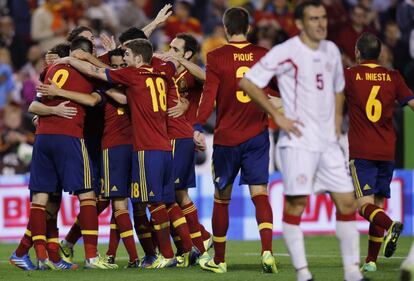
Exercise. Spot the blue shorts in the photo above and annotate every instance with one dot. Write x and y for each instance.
(371, 177)
(152, 178)
(60, 161)
(183, 163)
(93, 144)
(116, 171)
(251, 156)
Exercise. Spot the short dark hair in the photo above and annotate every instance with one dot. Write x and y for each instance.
(62, 50)
(141, 47)
(83, 43)
(190, 43)
(116, 52)
(132, 33)
(300, 9)
(369, 46)
(76, 31)
(236, 21)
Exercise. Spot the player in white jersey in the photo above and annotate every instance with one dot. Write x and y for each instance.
(310, 79)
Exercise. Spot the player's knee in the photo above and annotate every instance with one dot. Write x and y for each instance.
(347, 206)
(223, 194)
(257, 190)
(295, 205)
(40, 198)
(119, 204)
(87, 195)
(182, 197)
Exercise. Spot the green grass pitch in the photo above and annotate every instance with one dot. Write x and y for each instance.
(242, 259)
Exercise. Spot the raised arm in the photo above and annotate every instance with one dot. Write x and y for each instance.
(194, 69)
(53, 90)
(161, 17)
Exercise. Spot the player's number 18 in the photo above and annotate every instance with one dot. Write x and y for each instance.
(373, 107)
(158, 86)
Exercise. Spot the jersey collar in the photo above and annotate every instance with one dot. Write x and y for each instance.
(370, 63)
(239, 44)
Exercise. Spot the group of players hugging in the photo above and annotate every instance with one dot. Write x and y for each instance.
(126, 126)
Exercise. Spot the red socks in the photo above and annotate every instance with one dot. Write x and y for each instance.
(143, 229)
(52, 246)
(375, 238)
(180, 226)
(376, 215)
(75, 232)
(88, 221)
(190, 213)
(25, 243)
(264, 218)
(113, 238)
(291, 219)
(126, 233)
(204, 233)
(38, 228)
(220, 223)
(161, 222)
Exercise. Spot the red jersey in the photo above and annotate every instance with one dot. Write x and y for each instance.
(117, 125)
(147, 98)
(238, 118)
(69, 79)
(371, 91)
(191, 89)
(179, 127)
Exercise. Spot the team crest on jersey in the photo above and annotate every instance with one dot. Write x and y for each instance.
(182, 86)
(301, 179)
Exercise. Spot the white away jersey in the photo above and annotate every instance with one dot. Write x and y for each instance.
(308, 80)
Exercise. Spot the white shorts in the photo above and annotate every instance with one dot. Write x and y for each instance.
(306, 172)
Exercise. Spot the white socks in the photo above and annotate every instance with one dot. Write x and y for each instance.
(295, 243)
(348, 236)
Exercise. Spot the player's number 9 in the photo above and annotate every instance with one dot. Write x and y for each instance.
(241, 96)
(158, 86)
(60, 77)
(134, 190)
(373, 108)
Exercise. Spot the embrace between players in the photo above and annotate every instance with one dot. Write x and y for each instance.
(150, 134)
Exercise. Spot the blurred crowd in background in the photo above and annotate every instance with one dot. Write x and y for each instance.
(28, 28)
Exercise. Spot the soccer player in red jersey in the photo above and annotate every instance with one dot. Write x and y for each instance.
(60, 159)
(190, 77)
(93, 131)
(371, 92)
(20, 257)
(176, 128)
(152, 159)
(116, 157)
(189, 82)
(233, 150)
